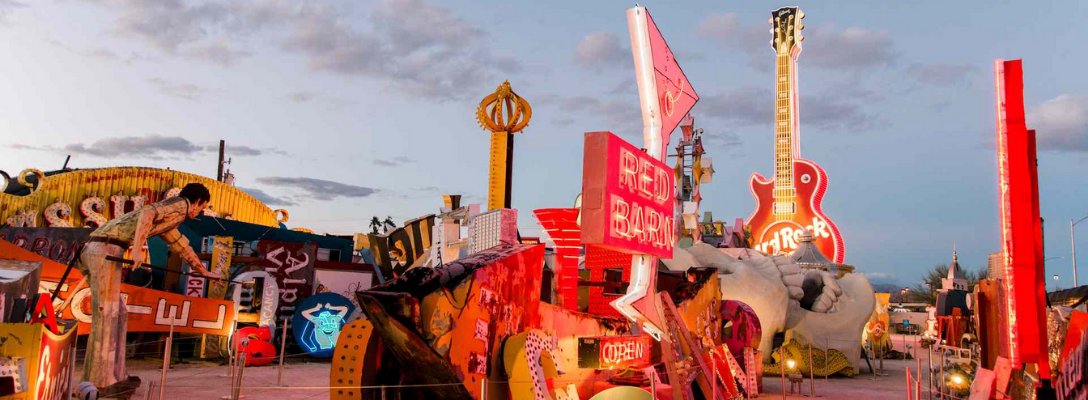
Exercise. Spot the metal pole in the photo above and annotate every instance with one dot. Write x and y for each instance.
(150, 391)
(72, 366)
(811, 370)
(929, 392)
(782, 364)
(241, 373)
(918, 393)
(166, 359)
(941, 375)
(910, 395)
(827, 356)
(713, 378)
(1073, 243)
(283, 346)
(483, 389)
(219, 174)
(653, 382)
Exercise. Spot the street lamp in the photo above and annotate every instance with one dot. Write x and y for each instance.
(1073, 240)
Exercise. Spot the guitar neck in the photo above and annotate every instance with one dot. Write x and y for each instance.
(785, 127)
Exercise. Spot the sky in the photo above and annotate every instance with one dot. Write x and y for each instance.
(340, 111)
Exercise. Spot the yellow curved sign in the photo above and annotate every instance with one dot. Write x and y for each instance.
(75, 198)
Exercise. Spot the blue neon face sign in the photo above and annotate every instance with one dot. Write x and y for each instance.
(318, 320)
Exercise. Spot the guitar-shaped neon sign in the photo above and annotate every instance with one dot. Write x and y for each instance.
(790, 203)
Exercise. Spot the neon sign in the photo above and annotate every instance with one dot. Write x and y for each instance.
(628, 198)
(608, 352)
(783, 236)
(318, 321)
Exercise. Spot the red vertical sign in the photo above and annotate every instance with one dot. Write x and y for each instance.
(1021, 231)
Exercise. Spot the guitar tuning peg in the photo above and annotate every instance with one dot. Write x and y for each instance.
(800, 26)
(800, 14)
(800, 37)
(770, 20)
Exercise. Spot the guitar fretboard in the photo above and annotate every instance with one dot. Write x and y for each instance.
(784, 143)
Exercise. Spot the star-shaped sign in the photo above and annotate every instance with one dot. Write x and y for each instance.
(675, 94)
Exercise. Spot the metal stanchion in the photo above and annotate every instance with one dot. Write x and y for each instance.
(713, 378)
(241, 373)
(910, 396)
(782, 365)
(483, 390)
(150, 390)
(383, 393)
(653, 382)
(941, 374)
(827, 357)
(811, 371)
(918, 382)
(929, 392)
(283, 346)
(166, 359)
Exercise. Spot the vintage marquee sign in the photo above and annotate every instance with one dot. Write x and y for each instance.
(148, 310)
(627, 198)
(90, 197)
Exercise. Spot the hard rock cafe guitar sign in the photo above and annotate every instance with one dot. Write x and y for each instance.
(788, 204)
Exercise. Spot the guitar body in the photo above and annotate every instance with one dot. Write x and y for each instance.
(780, 234)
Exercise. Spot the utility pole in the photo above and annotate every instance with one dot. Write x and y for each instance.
(219, 175)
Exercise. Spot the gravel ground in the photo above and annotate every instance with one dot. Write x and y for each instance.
(203, 380)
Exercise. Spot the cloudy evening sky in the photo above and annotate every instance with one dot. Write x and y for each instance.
(339, 111)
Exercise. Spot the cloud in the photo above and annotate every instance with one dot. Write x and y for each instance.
(626, 86)
(6, 8)
(185, 91)
(723, 139)
(600, 50)
(850, 49)
(319, 189)
(621, 115)
(942, 74)
(1061, 123)
(838, 108)
(881, 276)
(301, 97)
(392, 162)
(239, 150)
(149, 146)
(416, 48)
(103, 53)
(268, 199)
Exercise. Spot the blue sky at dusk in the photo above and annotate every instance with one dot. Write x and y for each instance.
(339, 111)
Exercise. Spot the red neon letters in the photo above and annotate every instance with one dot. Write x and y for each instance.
(627, 198)
(625, 351)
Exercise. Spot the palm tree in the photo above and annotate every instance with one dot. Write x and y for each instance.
(389, 223)
(375, 223)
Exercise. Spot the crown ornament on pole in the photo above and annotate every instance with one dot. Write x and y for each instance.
(490, 114)
(504, 113)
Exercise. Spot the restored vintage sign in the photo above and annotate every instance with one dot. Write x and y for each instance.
(222, 249)
(49, 358)
(627, 198)
(318, 320)
(292, 266)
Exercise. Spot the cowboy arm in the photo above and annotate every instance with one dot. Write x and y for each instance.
(143, 227)
(178, 244)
